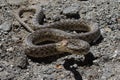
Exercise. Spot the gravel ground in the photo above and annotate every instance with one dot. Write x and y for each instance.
(102, 63)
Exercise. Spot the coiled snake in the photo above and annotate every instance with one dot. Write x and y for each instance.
(54, 38)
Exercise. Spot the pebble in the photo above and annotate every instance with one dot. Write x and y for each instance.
(75, 65)
(6, 26)
(108, 30)
(10, 49)
(96, 62)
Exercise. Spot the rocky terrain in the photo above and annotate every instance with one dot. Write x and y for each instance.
(102, 63)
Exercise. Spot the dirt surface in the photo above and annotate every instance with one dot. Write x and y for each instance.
(102, 63)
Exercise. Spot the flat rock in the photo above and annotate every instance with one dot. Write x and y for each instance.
(6, 26)
(71, 11)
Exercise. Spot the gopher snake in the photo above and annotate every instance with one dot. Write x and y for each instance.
(59, 39)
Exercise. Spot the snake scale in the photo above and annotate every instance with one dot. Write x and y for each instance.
(55, 38)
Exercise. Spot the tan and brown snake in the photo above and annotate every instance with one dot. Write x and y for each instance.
(60, 40)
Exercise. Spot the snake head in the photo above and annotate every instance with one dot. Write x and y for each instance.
(74, 46)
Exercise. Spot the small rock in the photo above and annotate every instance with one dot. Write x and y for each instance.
(58, 66)
(3, 39)
(107, 29)
(117, 51)
(115, 55)
(5, 33)
(71, 12)
(75, 65)
(10, 49)
(6, 26)
(96, 62)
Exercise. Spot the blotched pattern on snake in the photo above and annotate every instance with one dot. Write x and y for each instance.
(56, 38)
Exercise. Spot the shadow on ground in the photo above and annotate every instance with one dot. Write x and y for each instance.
(48, 60)
(87, 62)
(98, 41)
(68, 62)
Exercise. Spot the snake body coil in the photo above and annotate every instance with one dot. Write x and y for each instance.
(63, 41)
(60, 40)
